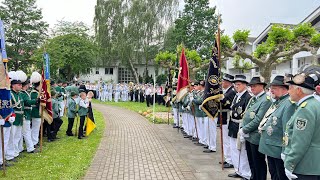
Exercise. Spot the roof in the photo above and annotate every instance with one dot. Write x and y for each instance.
(313, 18)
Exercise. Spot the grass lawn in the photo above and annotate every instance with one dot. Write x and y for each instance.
(66, 158)
(142, 107)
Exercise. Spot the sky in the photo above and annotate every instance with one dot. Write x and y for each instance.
(254, 15)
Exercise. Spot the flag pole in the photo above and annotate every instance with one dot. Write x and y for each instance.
(220, 112)
(154, 96)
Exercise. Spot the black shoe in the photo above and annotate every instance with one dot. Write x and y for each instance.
(227, 165)
(34, 151)
(50, 140)
(12, 160)
(181, 128)
(206, 147)
(175, 127)
(209, 151)
(69, 134)
(223, 162)
(234, 175)
(195, 140)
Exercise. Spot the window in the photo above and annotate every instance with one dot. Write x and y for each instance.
(108, 71)
(97, 71)
(125, 75)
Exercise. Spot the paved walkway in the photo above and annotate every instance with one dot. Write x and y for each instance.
(133, 148)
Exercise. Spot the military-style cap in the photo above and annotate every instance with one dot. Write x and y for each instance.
(279, 81)
(257, 80)
(240, 78)
(74, 94)
(228, 77)
(303, 80)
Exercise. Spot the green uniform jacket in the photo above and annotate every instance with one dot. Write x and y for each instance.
(197, 101)
(58, 89)
(35, 113)
(185, 102)
(72, 108)
(27, 104)
(55, 108)
(255, 111)
(17, 104)
(302, 139)
(174, 103)
(271, 142)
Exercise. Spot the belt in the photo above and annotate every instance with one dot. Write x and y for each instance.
(236, 120)
(18, 112)
(27, 108)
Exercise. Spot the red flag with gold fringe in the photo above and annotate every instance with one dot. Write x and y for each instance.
(183, 77)
(45, 100)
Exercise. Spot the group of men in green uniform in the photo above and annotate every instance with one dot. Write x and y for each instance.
(263, 131)
(23, 127)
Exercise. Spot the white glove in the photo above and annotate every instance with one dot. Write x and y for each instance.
(290, 175)
(12, 119)
(243, 134)
(242, 140)
(2, 122)
(188, 108)
(182, 108)
(191, 98)
(171, 103)
(283, 156)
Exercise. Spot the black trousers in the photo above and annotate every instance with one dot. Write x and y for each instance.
(308, 177)
(257, 162)
(82, 119)
(136, 97)
(148, 99)
(276, 168)
(70, 125)
(48, 128)
(131, 96)
(57, 122)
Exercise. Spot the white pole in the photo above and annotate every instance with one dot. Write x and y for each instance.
(154, 95)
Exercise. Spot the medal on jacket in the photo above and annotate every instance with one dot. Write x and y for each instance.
(274, 120)
(252, 115)
(285, 139)
(239, 110)
(269, 130)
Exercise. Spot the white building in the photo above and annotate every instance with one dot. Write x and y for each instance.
(298, 61)
(119, 73)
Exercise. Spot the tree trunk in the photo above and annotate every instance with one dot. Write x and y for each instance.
(266, 72)
(134, 72)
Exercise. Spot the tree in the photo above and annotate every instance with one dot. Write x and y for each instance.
(282, 43)
(71, 54)
(25, 30)
(196, 26)
(131, 31)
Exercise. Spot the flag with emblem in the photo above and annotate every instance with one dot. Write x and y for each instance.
(183, 77)
(5, 95)
(213, 91)
(90, 125)
(45, 100)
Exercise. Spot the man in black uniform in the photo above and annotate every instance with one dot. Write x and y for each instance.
(229, 93)
(238, 107)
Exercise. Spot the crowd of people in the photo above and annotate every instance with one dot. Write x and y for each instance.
(263, 129)
(21, 130)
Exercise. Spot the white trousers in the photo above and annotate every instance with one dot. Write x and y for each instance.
(200, 125)
(175, 115)
(11, 146)
(26, 133)
(212, 134)
(190, 124)
(116, 96)
(226, 144)
(242, 168)
(184, 121)
(62, 105)
(110, 96)
(8, 151)
(36, 122)
(17, 137)
(204, 130)
(104, 96)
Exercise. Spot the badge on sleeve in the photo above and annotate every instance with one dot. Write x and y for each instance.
(252, 115)
(301, 124)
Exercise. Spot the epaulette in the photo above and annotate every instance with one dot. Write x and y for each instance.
(292, 102)
(34, 91)
(268, 98)
(304, 104)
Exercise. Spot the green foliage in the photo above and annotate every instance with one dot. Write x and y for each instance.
(193, 58)
(280, 34)
(70, 55)
(263, 49)
(25, 30)
(315, 40)
(166, 58)
(67, 27)
(66, 158)
(240, 63)
(161, 79)
(225, 42)
(304, 30)
(196, 26)
(241, 36)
